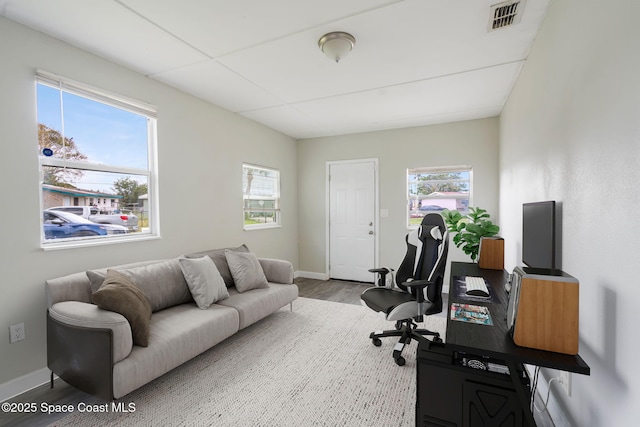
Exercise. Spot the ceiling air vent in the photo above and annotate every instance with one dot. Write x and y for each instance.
(506, 14)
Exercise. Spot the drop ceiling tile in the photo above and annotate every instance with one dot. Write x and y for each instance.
(107, 29)
(440, 99)
(212, 82)
(290, 121)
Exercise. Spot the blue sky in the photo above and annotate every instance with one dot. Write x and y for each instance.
(103, 133)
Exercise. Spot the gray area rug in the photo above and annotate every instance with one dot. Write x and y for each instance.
(315, 366)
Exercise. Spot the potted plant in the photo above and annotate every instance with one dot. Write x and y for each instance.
(470, 229)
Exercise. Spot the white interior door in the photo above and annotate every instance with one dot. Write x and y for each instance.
(352, 220)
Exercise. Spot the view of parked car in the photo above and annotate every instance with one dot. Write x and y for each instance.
(63, 225)
(130, 221)
(431, 208)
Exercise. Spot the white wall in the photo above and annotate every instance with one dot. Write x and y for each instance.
(472, 143)
(570, 132)
(201, 148)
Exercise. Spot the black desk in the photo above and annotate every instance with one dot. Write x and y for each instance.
(463, 338)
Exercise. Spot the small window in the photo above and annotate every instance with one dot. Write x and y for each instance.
(94, 146)
(261, 195)
(436, 189)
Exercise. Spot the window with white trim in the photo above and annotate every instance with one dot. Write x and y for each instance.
(261, 197)
(435, 189)
(96, 158)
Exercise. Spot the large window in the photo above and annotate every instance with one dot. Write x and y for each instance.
(261, 194)
(436, 189)
(96, 161)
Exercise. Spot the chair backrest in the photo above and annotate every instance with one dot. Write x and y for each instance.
(426, 257)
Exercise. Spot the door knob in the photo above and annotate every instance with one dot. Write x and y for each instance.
(370, 232)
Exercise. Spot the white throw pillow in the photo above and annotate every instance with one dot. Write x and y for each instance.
(246, 270)
(204, 280)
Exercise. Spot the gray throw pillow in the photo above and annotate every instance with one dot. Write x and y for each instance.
(96, 279)
(246, 271)
(121, 295)
(204, 280)
(218, 257)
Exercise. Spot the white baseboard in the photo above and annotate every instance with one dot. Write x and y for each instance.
(311, 275)
(24, 383)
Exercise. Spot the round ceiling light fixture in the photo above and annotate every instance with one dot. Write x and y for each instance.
(336, 45)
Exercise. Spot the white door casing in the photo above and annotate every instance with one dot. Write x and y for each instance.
(352, 219)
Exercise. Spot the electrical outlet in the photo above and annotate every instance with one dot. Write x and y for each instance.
(16, 332)
(565, 381)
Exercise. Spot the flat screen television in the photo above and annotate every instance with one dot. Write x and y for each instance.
(539, 234)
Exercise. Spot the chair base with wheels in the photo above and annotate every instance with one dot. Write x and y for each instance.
(407, 330)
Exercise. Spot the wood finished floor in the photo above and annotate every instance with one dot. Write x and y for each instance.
(62, 393)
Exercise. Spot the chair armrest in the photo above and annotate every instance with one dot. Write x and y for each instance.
(382, 278)
(419, 284)
(379, 270)
(277, 270)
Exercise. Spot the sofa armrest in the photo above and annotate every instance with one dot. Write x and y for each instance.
(81, 356)
(89, 316)
(277, 270)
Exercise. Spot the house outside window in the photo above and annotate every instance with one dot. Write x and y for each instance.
(261, 197)
(95, 147)
(433, 189)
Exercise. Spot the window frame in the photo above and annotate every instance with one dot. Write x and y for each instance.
(437, 170)
(277, 223)
(123, 103)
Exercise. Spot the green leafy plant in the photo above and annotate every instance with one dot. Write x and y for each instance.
(470, 229)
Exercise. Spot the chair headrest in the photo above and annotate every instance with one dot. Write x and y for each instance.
(436, 233)
(432, 231)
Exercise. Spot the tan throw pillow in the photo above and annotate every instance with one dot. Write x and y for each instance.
(204, 280)
(246, 270)
(121, 295)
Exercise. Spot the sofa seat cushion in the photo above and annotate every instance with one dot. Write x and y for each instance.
(256, 304)
(176, 335)
(84, 315)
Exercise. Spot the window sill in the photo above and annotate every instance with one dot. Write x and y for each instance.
(261, 227)
(53, 246)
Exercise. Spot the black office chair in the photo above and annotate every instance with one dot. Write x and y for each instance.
(418, 285)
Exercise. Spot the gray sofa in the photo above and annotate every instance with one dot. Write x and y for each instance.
(94, 349)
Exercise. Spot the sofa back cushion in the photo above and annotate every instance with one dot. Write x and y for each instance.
(161, 282)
